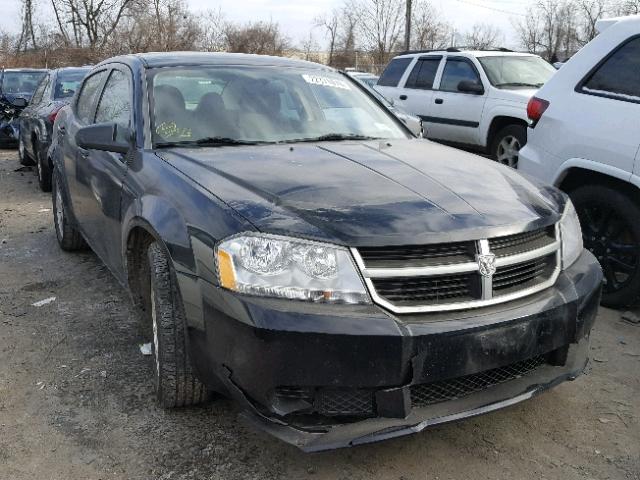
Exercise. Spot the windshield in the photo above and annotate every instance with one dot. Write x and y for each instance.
(227, 105)
(67, 83)
(515, 72)
(21, 82)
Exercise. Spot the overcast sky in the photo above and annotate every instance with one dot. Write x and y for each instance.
(295, 16)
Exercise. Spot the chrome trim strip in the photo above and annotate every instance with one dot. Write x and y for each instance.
(368, 274)
(486, 283)
(454, 267)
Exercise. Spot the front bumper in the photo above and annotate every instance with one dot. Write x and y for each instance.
(254, 349)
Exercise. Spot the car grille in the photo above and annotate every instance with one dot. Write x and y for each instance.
(424, 278)
(430, 393)
(352, 402)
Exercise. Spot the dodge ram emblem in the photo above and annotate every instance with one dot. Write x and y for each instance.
(487, 265)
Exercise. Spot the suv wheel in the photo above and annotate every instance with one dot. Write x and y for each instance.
(176, 383)
(611, 231)
(69, 238)
(44, 173)
(507, 143)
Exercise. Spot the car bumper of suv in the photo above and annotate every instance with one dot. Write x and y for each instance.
(330, 376)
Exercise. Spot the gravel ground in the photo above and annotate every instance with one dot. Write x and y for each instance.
(76, 394)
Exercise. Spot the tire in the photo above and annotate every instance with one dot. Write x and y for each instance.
(23, 156)
(611, 231)
(69, 238)
(506, 144)
(176, 382)
(43, 171)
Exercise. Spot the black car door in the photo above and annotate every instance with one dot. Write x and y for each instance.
(29, 116)
(82, 114)
(100, 174)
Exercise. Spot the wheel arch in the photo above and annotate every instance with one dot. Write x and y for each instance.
(577, 175)
(498, 123)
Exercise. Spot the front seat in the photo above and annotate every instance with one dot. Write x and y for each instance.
(172, 121)
(213, 118)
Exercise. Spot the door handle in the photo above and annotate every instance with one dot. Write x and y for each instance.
(439, 101)
(402, 97)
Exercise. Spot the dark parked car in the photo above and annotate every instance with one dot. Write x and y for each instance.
(36, 121)
(290, 245)
(16, 87)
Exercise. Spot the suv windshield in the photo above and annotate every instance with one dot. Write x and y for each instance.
(20, 82)
(240, 105)
(67, 82)
(517, 71)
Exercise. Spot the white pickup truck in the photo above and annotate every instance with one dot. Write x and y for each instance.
(476, 99)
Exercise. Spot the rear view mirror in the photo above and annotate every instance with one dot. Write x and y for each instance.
(469, 86)
(105, 137)
(19, 102)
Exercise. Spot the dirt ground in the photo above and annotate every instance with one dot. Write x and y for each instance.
(76, 393)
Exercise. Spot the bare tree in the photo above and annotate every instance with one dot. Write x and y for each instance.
(213, 29)
(345, 54)
(380, 26)
(483, 36)
(589, 11)
(27, 30)
(330, 22)
(430, 31)
(407, 24)
(627, 7)
(92, 22)
(263, 38)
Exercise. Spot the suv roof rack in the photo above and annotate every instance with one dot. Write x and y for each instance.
(455, 49)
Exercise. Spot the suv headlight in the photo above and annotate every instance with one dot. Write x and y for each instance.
(571, 235)
(274, 266)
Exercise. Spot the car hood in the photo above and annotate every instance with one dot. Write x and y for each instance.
(517, 95)
(370, 193)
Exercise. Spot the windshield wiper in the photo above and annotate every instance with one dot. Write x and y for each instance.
(208, 142)
(333, 137)
(519, 84)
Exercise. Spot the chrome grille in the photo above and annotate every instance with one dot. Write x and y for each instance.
(438, 277)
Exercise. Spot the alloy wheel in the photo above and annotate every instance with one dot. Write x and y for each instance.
(156, 342)
(611, 240)
(59, 211)
(508, 150)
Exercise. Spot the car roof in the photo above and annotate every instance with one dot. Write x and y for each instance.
(467, 53)
(168, 59)
(75, 69)
(27, 70)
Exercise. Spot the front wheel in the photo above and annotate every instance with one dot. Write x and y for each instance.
(611, 231)
(69, 238)
(506, 145)
(176, 382)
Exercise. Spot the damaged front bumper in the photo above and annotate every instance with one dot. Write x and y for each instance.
(323, 377)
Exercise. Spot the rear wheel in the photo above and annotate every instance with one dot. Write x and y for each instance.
(506, 145)
(176, 382)
(44, 172)
(611, 231)
(69, 238)
(23, 156)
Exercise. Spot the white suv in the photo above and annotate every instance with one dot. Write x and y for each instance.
(584, 138)
(476, 99)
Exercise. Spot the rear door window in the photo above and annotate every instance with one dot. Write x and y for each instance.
(455, 71)
(88, 98)
(423, 73)
(619, 75)
(394, 71)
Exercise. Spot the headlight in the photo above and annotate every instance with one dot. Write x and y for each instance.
(571, 235)
(274, 266)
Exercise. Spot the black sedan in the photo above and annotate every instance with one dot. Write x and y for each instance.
(36, 121)
(291, 245)
(16, 87)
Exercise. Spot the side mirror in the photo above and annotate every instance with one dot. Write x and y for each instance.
(105, 137)
(468, 86)
(19, 102)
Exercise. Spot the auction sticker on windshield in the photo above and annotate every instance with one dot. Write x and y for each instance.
(326, 81)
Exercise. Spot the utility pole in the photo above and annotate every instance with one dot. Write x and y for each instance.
(407, 26)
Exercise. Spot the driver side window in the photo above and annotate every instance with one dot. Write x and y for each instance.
(115, 103)
(456, 71)
(37, 95)
(85, 107)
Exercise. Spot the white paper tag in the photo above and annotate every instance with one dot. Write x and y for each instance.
(326, 81)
